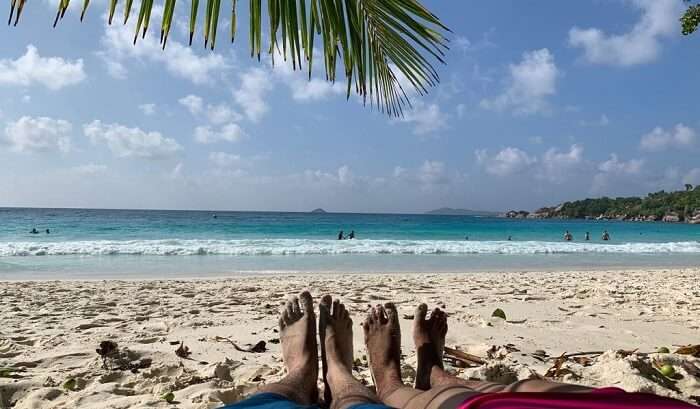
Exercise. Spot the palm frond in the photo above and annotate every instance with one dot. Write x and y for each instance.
(377, 41)
(691, 19)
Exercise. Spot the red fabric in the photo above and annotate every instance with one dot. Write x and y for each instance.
(607, 398)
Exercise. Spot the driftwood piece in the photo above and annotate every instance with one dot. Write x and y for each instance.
(464, 357)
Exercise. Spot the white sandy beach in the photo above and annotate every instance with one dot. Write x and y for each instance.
(49, 332)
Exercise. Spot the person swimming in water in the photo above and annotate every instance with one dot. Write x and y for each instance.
(341, 236)
(48, 231)
(568, 236)
(606, 235)
(34, 231)
(351, 235)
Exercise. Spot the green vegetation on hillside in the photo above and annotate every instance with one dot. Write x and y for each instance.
(684, 204)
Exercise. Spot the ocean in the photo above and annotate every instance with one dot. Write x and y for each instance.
(97, 244)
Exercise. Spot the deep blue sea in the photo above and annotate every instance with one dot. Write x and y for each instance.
(167, 244)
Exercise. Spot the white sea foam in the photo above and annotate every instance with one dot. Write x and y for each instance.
(282, 247)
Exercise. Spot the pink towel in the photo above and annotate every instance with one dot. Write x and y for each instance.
(606, 398)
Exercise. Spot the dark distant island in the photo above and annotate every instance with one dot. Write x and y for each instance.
(319, 211)
(672, 207)
(448, 211)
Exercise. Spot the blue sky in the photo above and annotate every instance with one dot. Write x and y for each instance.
(539, 102)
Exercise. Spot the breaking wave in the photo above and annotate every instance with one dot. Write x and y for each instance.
(299, 247)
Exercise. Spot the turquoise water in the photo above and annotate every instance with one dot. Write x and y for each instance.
(136, 243)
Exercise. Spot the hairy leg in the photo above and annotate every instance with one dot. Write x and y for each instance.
(299, 351)
(343, 390)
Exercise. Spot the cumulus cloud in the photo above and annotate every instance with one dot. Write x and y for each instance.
(556, 166)
(530, 82)
(661, 139)
(642, 44)
(148, 109)
(127, 142)
(223, 159)
(342, 177)
(178, 59)
(193, 103)
(31, 68)
(426, 118)
(250, 95)
(230, 132)
(506, 162)
(41, 134)
(432, 172)
(613, 170)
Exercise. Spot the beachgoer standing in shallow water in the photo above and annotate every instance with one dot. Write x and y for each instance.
(351, 235)
(568, 236)
(606, 235)
(340, 235)
(588, 236)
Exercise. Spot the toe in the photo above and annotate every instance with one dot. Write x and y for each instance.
(291, 316)
(421, 312)
(336, 309)
(373, 316)
(296, 309)
(341, 311)
(307, 303)
(286, 318)
(381, 313)
(327, 300)
(391, 313)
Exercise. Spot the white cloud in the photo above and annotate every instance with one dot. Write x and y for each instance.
(230, 132)
(660, 139)
(90, 169)
(614, 169)
(601, 122)
(52, 72)
(342, 177)
(41, 134)
(638, 46)
(218, 114)
(178, 59)
(506, 162)
(223, 159)
(131, 142)
(148, 109)
(530, 83)
(399, 172)
(432, 173)
(615, 165)
(193, 103)
(426, 118)
(557, 166)
(303, 89)
(255, 83)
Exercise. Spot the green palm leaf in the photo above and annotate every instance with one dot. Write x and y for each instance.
(377, 41)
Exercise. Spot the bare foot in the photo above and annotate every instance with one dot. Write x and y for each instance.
(336, 335)
(299, 346)
(429, 337)
(335, 331)
(383, 340)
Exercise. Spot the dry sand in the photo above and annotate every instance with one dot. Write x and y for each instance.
(49, 332)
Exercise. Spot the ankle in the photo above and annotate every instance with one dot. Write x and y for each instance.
(387, 383)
